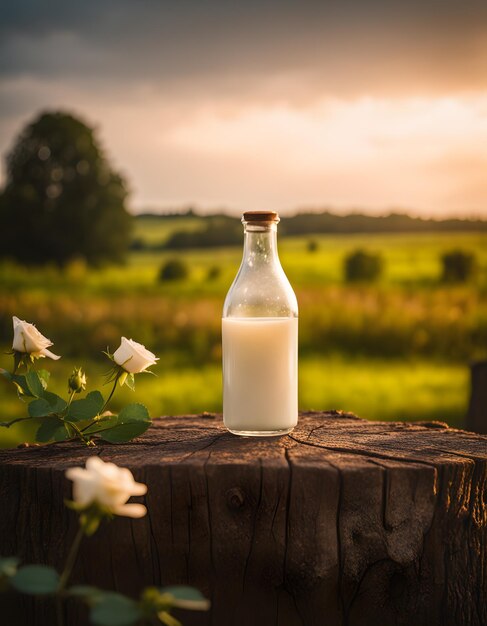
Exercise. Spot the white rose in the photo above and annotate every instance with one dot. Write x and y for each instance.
(133, 356)
(108, 485)
(29, 340)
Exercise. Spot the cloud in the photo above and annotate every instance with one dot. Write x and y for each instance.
(273, 49)
(264, 104)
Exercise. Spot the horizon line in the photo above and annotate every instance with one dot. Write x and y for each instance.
(198, 211)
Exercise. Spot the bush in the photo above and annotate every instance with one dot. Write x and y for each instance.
(213, 272)
(363, 266)
(173, 269)
(137, 245)
(458, 266)
(312, 245)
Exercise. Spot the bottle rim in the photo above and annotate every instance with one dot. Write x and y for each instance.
(260, 217)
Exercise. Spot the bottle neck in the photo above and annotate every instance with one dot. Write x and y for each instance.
(260, 245)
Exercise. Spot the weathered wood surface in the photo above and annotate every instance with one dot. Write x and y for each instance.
(477, 408)
(344, 522)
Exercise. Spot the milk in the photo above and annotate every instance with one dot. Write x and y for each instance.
(260, 374)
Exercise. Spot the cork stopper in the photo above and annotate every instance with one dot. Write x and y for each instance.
(260, 216)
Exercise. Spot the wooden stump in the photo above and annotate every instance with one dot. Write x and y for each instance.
(343, 522)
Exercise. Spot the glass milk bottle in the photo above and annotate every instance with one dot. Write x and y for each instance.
(260, 338)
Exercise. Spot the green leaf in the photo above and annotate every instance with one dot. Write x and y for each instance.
(97, 398)
(34, 384)
(107, 421)
(36, 579)
(87, 408)
(52, 429)
(57, 403)
(8, 566)
(50, 403)
(39, 408)
(187, 598)
(113, 609)
(133, 420)
(168, 619)
(44, 377)
(130, 382)
(26, 384)
(21, 384)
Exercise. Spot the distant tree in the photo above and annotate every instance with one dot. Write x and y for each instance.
(173, 269)
(458, 266)
(62, 200)
(312, 245)
(361, 265)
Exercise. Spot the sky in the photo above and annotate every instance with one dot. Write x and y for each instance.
(373, 105)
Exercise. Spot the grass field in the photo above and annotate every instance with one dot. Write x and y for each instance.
(396, 349)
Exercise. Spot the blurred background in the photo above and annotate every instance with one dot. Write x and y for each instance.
(135, 133)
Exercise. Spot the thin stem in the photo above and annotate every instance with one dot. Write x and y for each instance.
(95, 421)
(102, 410)
(19, 419)
(111, 393)
(68, 568)
(70, 400)
(102, 430)
(77, 431)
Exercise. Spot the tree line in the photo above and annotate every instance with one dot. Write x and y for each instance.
(223, 230)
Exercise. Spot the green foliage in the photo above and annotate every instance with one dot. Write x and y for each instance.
(459, 266)
(52, 429)
(50, 403)
(35, 384)
(18, 381)
(363, 266)
(78, 419)
(101, 424)
(114, 609)
(174, 269)
(87, 408)
(35, 579)
(133, 420)
(106, 608)
(44, 376)
(185, 597)
(62, 200)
